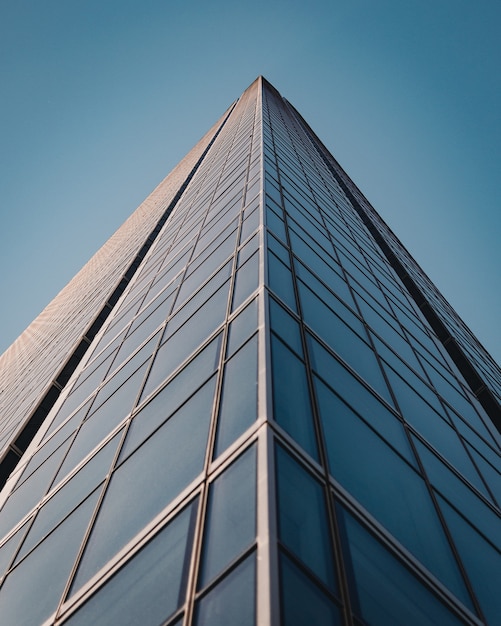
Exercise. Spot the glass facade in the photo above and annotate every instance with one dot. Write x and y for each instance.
(278, 420)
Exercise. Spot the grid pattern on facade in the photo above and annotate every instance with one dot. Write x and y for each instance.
(452, 329)
(267, 429)
(387, 431)
(146, 429)
(50, 348)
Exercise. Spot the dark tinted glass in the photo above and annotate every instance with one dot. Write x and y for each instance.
(383, 591)
(291, 397)
(302, 517)
(231, 516)
(303, 602)
(232, 601)
(238, 407)
(150, 587)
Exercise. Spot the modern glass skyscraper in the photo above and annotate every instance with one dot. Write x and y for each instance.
(250, 407)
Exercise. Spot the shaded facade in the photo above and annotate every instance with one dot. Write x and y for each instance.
(271, 415)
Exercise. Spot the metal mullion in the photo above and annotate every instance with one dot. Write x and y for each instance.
(267, 601)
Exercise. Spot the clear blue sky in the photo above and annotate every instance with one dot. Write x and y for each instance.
(100, 99)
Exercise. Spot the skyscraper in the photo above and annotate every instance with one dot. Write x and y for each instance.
(250, 407)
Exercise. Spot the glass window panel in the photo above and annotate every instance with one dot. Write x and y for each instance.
(88, 382)
(383, 591)
(32, 590)
(75, 420)
(134, 341)
(302, 517)
(121, 376)
(472, 437)
(145, 483)
(102, 422)
(232, 601)
(247, 250)
(303, 211)
(490, 474)
(460, 496)
(9, 547)
(223, 244)
(231, 516)
(61, 440)
(374, 312)
(29, 493)
(220, 241)
(406, 385)
(172, 396)
(220, 215)
(315, 240)
(303, 602)
(151, 586)
(253, 189)
(117, 322)
(272, 189)
(291, 397)
(246, 281)
(304, 222)
(242, 327)
(199, 368)
(326, 268)
(130, 304)
(192, 282)
(471, 417)
(279, 250)
(156, 413)
(179, 346)
(238, 406)
(341, 337)
(399, 345)
(69, 496)
(152, 316)
(446, 386)
(68, 407)
(174, 266)
(361, 399)
(275, 224)
(203, 295)
(280, 281)
(435, 430)
(252, 206)
(286, 327)
(364, 278)
(482, 562)
(378, 478)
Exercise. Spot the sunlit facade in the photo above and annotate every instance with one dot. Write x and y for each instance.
(263, 412)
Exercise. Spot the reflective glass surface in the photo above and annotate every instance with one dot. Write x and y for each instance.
(384, 591)
(231, 601)
(238, 404)
(150, 587)
(291, 398)
(231, 516)
(303, 602)
(302, 517)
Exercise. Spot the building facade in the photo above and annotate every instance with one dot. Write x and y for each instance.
(251, 407)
